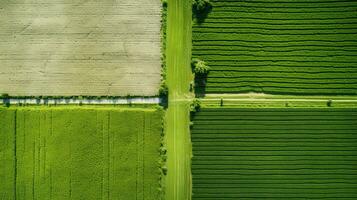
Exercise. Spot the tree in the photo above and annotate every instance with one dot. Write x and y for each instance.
(201, 5)
(200, 67)
(164, 90)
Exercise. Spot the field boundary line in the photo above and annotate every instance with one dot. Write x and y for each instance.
(64, 101)
(301, 100)
(268, 100)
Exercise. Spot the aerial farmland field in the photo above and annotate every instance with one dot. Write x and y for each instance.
(291, 153)
(178, 99)
(93, 48)
(279, 47)
(80, 153)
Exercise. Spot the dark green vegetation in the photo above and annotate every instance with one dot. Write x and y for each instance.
(279, 46)
(163, 90)
(287, 153)
(80, 153)
(200, 5)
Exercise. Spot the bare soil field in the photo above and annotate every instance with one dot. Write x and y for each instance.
(80, 47)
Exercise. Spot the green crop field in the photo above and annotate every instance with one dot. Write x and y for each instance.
(279, 46)
(285, 153)
(80, 153)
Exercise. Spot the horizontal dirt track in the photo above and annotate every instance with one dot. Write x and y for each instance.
(80, 47)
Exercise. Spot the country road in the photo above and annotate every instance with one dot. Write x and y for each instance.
(178, 54)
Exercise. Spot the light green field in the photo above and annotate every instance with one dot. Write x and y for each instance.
(80, 153)
(178, 54)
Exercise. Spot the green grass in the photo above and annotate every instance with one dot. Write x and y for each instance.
(7, 151)
(178, 57)
(275, 153)
(279, 47)
(80, 153)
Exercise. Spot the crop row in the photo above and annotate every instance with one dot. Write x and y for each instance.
(276, 90)
(283, 16)
(293, 64)
(260, 67)
(285, 85)
(288, 74)
(263, 48)
(258, 22)
(260, 43)
(257, 36)
(221, 54)
(252, 58)
(285, 4)
(267, 112)
(291, 10)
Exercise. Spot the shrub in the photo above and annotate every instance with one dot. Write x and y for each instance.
(193, 63)
(195, 105)
(5, 96)
(164, 90)
(7, 103)
(329, 103)
(164, 3)
(164, 170)
(192, 86)
(163, 150)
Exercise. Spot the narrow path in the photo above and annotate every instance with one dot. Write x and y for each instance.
(253, 100)
(178, 54)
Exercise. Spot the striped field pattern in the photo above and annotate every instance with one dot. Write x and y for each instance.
(288, 153)
(79, 153)
(279, 46)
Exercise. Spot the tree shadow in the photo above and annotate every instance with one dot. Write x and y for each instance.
(6, 102)
(201, 15)
(200, 85)
(164, 101)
